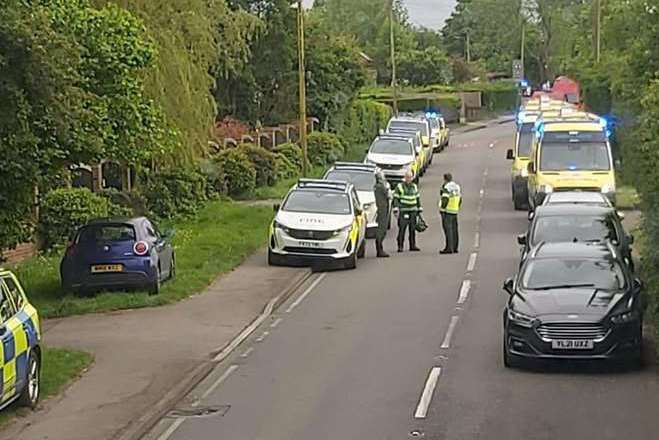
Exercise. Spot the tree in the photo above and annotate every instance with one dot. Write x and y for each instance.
(422, 67)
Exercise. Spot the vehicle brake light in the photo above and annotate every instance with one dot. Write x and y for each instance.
(140, 248)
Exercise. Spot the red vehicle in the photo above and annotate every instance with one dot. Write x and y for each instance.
(568, 90)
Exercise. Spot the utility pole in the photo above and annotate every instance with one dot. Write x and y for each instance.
(598, 42)
(523, 49)
(468, 48)
(302, 77)
(392, 44)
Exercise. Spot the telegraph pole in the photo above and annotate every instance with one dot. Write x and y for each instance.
(303, 87)
(468, 48)
(598, 42)
(392, 44)
(523, 47)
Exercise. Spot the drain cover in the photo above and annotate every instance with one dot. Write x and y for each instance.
(199, 411)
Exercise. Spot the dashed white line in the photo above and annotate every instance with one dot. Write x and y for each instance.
(477, 240)
(482, 193)
(276, 322)
(305, 294)
(426, 396)
(472, 262)
(247, 352)
(449, 333)
(171, 430)
(262, 337)
(464, 291)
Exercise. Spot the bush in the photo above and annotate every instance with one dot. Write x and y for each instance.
(292, 152)
(324, 148)
(64, 210)
(239, 172)
(285, 168)
(363, 121)
(264, 164)
(130, 202)
(216, 184)
(170, 193)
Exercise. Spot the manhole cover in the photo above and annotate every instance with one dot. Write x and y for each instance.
(199, 411)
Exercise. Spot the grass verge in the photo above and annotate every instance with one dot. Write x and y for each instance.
(60, 367)
(217, 240)
(627, 198)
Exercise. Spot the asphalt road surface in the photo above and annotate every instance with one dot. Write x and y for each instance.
(410, 347)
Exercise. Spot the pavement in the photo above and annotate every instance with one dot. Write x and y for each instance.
(141, 355)
(410, 346)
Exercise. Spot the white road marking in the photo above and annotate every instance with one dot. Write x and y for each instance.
(262, 337)
(305, 294)
(477, 240)
(449, 333)
(426, 396)
(472, 262)
(247, 352)
(482, 193)
(464, 291)
(178, 422)
(276, 322)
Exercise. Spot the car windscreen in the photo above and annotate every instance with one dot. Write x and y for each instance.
(599, 274)
(317, 202)
(409, 125)
(574, 156)
(362, 181)
(565, 228)
(392, 146)
(107, 233)
(525, 140)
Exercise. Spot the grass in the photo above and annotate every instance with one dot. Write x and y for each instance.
(217, 240)
(627, 198)
(60, 367)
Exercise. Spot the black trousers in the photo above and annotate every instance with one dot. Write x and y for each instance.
(450, 226)
(381, 231)
(407, 220)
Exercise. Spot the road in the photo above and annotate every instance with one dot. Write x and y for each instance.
(410, 347)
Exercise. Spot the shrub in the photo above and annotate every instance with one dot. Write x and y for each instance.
(292, 152)
(170, 193)
(63, 210)
(363, 121)
(129, 202)
(239, 172)
(216, 184)
(285, 168)
(324, 148)
(264, 164)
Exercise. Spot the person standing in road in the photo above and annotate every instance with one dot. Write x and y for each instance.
(407, 205)
(449, 207)
(381, 190)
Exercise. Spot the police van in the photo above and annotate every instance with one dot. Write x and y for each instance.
(319, 221)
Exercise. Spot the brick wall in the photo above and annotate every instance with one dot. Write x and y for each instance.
(21, 253)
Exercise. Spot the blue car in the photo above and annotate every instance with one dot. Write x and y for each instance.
(118, 254)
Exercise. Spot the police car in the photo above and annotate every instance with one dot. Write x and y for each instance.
(362, 176)
(319, 221)
(20, 351)
(395, 156)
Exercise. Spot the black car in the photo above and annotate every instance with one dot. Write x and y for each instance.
(577, 223)
(577, 198)
(573, 301)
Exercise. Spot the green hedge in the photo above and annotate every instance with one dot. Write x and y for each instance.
(292, 153)
(264, 162)
(64, 210)
(324, 148)
(363, 120)
(174, 192)
(239, 171)
(500, 100)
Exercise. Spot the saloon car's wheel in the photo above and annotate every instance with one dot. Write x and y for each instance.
(30, 394)
(351, 261)
(172, 268)
(155, 285)
(361, 252)
(520, 203)
(510, 360)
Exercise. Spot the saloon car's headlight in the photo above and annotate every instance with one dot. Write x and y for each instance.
(344, 230)
(546, 189)
(625, 317)
(520, 319)
(277, 225)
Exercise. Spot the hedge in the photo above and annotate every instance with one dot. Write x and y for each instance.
(66, 209)
(174, 192)
(363, 120)
(264, 163)
(239, 171)
(324, 148)
(292, 152)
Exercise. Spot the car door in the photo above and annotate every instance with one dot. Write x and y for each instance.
(163, 249)
(25, 328)
(361, 219)
(12, 337)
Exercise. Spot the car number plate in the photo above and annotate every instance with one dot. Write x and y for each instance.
(310, 244)
(572, 344)
(104, 268)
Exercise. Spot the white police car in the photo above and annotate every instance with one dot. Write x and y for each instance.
(395, 156)
(362, 176)
(319, 221)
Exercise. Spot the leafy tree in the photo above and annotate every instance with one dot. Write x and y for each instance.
(428, 66)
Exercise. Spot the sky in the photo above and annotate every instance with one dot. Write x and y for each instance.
(428, 13)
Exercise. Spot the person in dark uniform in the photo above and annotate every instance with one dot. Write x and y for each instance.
(381, 190)
(449, 207)
(407, 203)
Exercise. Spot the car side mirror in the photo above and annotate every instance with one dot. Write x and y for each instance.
(618, 163)
(521, 239)
(168, 233)
(359, 211)
(531, 168)
(621, 215)
(638, 285)
(276, 207)
(510, 155)
(531, 215)
(630, 239)
(3, 330)
(381, 131)
(508, 286)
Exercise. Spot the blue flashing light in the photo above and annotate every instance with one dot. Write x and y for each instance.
(524, 83)
(572, 167)
(604, 123)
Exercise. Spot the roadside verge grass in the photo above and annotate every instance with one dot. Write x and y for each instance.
(217, 240)
(627, 198)
(59, 368)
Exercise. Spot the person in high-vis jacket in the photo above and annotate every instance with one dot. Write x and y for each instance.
(407, 204)
(449, 207)
(381, 190)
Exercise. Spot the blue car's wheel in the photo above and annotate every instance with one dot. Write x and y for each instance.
(155, 285)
